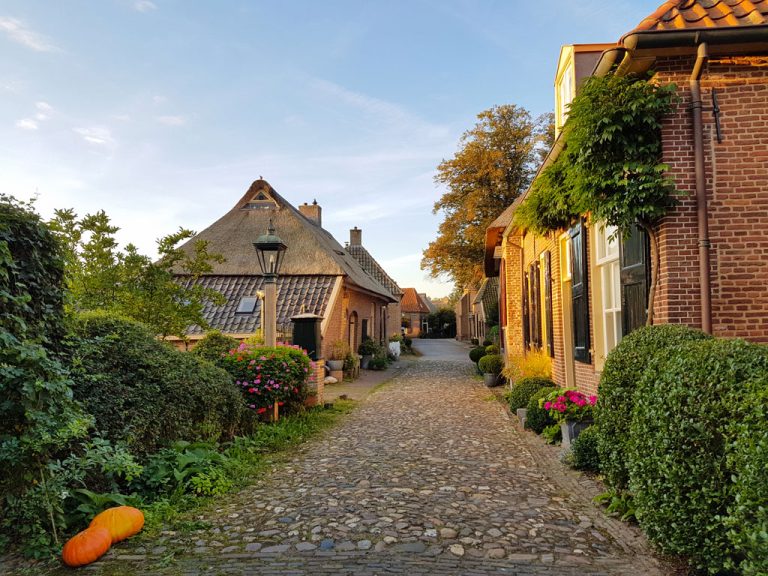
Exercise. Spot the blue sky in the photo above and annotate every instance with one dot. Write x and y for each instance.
(163, 112)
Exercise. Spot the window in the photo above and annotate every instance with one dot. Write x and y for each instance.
(565, 94)
(247, 305)
(607, 242)
(549, 330)
(579, 293)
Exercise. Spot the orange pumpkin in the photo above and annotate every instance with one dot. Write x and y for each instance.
(86, 547)
(121, 521)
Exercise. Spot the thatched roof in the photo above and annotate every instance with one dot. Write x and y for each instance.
(488, 294)
(311, 249)
(374, 269)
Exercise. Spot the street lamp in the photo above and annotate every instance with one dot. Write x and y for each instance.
(269, 249)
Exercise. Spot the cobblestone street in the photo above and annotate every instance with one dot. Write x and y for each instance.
(427, 476)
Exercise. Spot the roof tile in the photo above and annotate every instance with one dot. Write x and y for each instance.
(412, 303)
(685, 14)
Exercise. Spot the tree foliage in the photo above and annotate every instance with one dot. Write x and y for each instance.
(493, 166)
(99, 276)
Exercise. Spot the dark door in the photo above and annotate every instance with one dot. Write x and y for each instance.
(579, 293)
(634, 259)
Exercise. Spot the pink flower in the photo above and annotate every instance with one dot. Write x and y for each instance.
(592, 400)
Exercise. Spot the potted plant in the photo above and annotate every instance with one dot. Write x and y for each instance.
(573, 410)
(339, 351)
(367, 349)
(475, 354)
(491, 366)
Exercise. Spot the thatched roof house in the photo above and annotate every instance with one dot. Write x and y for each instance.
(317, 275)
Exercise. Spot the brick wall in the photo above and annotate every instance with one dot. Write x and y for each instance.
(737, 185)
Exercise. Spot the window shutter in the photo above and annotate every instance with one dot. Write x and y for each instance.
(634, 260)
(526, 313)
(579, 292)
(535, 305)
(548, 303)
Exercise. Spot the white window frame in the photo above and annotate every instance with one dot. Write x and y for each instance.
(609, 274)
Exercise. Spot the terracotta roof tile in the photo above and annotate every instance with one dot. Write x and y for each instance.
(411, 302)
(313, 292)
(686, 14)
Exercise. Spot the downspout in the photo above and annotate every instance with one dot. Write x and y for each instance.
(702, 213)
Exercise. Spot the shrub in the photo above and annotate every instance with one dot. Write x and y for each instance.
(552, 434)
(143, 391)
(474, 341)
(532, 363)
(683, 446)
(487, 343)
(368, 347)
(537, 418)
(408, 342)
(491, 364)
(584, 455)
(266, 375)
(492, 349)
(523, 389)
(214, 346)
(622, 371)
(340, 350)
(476, 353)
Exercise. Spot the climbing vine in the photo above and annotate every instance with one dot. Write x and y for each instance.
(611, 165)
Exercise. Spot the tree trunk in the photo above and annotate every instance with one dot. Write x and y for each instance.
(655, 265)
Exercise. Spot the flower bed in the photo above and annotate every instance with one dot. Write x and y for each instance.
(268, 375)
(569, 405)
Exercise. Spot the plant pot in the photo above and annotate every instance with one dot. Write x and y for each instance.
(522, 414)
(571, 430)
(335, 365)
(365, 360)
(491, 380)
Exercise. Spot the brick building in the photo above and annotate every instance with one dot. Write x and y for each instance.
(576, 292)
(415, 312)
(317, 276)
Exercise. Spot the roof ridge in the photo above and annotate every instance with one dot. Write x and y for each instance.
(692, 14)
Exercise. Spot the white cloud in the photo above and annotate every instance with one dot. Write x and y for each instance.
(144, 6)
(26, 124)
(21, 34)
(159, 99)
(44, 111)
(99, 135)
(172, 120)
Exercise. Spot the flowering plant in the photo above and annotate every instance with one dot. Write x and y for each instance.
(268, 375)
(569, 405)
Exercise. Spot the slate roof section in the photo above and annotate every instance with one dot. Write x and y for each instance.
(687, 14)
(313, 292)
(411, 302)
(373, 268)
(312, 251)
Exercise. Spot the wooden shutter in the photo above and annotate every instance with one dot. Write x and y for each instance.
(579, 292)
(634, 259)
(526, 313)
(548, 303)
(535, 305)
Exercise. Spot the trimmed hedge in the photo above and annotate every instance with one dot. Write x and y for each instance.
(492, 349)
(491, 364)
(584, 455)
(524, 388)
(476, 353)
(537, 418)
(691, 465)
(145, 392)
(214, 346)
(615, 399)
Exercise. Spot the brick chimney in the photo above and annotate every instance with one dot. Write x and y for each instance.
(312, 212)
(355, 237)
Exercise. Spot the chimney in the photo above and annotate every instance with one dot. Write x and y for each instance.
(312, 212)
(355, 237)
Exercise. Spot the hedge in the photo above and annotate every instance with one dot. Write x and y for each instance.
(536, 418)
(692, 468)
(584, 455)
(214, 346)
(524, 388)
(145, 392)
(491, 364)
(622, 371)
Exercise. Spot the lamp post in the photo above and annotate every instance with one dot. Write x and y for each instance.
(269, 249)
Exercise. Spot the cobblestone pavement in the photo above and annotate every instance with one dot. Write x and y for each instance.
(427, 476)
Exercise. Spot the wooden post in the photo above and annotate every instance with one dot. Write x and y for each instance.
(275, 415)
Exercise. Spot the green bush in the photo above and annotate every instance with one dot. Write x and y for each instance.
(622, 371)
(144, 392)
(491, 364)
(684, 445)
(584, 455)
(523, 389)
(368, 347)
(536, 417)
(487, 343)
(492, 349)
(214, 346)
(266, 374)
(476, 353)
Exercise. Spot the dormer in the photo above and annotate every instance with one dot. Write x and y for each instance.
(576, 62)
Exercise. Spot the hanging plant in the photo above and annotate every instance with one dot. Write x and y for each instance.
(611, 165)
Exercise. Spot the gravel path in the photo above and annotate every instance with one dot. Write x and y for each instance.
(428, 476)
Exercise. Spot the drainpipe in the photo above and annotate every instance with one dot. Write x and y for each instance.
(702, 214)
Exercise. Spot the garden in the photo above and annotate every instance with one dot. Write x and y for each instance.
(678, 434)
(98, 412)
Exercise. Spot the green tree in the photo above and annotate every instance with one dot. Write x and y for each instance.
(493, 166)
(163, 294)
